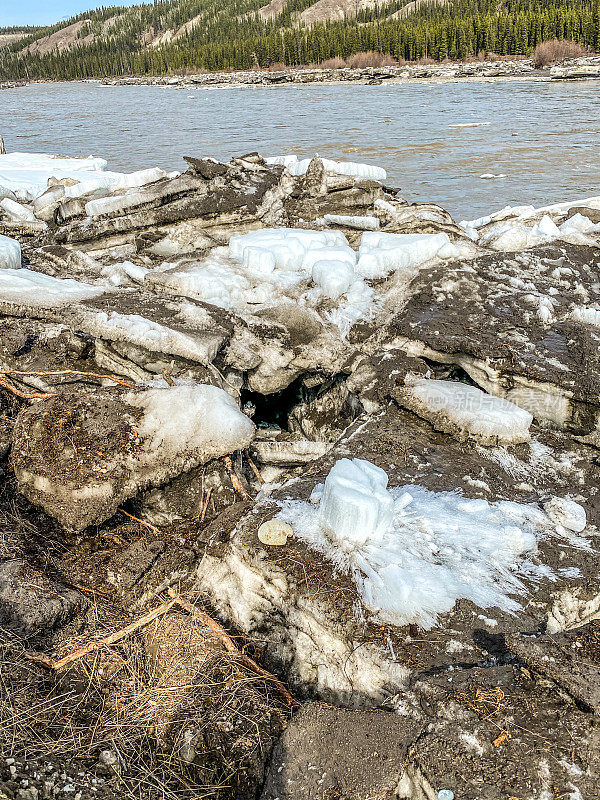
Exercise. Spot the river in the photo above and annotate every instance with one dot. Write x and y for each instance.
(543, 136)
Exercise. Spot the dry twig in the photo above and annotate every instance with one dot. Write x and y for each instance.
(50, 663)
(254, 469)
(141, 521)
(60, 372)
(6, 384)
(235, 481)
(205, 506)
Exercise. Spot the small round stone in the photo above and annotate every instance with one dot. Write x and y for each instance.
(445, 794)
(275, 531)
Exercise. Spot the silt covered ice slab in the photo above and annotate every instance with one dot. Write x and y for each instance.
(470, 531)
(79, 456)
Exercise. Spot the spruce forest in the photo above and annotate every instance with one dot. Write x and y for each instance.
(190, 35)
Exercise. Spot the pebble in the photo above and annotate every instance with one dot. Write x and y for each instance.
(445, 794)
(275, 532)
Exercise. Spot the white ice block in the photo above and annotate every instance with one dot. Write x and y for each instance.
(10, 253)
(334, 277)
(356, 506)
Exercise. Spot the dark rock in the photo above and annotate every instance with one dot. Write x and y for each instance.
(336, 752)
(31, 603)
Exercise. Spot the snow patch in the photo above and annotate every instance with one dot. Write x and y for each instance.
(36, 290)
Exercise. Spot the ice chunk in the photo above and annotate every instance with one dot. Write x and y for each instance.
(130, 199)
(10, 253)
(334, 277)
(360, 223)
(27, 174)
(15, 211)
(356, 505)
(450, 404)
(351, 168)
(567, 513)
(201, 421)
(314, 254)
(546, 227)
(36, 290)
(116, 274)
(382, 253)
(586, 314)
(469, 124)
(145, 333)
(412, 561)
(286, 248)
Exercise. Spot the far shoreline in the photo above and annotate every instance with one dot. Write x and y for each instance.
(583, 69)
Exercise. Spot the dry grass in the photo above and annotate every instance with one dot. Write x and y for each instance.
(116, 698)
(555, 50)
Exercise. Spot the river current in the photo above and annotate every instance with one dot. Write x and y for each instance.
(544, 137)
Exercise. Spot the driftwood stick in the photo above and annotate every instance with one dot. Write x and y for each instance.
(255, 470)
(50, 663)
(141, 521)
(231, 647)
(235, 481)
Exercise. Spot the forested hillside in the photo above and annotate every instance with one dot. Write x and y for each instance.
(179, 35)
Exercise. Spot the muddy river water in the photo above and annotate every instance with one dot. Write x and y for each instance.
(543, 137)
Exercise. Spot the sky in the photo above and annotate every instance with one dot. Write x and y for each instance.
(46, 12)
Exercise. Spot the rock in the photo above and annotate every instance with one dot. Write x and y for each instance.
(30, 603)
(337, 752)
(274, 532)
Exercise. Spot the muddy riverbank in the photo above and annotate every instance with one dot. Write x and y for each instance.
(299, 487)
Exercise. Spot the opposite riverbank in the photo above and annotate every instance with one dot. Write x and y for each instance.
(573, 69)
